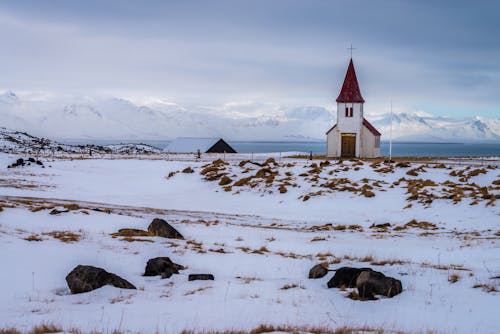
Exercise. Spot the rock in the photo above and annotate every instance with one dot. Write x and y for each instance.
(161, 228)
(318, 271)
(56, 211)
(188, 170)
(371, 283)
(345, 276)
(162, 266)
(87, 278)
(202, 277)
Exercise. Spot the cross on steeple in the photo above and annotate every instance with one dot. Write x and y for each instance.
(351, 48)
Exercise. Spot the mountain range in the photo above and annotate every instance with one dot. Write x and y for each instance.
(118, 118)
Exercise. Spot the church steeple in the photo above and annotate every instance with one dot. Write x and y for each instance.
(350, 89)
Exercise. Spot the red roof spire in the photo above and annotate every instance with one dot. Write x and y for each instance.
(350, 89)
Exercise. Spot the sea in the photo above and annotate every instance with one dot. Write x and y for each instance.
(402, 149)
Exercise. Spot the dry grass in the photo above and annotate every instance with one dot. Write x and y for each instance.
(261, 250)
(131, 239)
(486, 287)
(46, 328)
(192, 292)
(453, 278)
(415, 224)
(292, 286)
(390, 262)
(297, 329)
(131, 232)
(248, 280)
(33, 237)
(64, 236)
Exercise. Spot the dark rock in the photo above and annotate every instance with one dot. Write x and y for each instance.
(56, 211)
(202, 277)
(31, 159)
(87, 278)
(381, 226)
(345, 276)
(161, 228)
(318, 271)
(162, 266)
(371, 283)
(188, 170)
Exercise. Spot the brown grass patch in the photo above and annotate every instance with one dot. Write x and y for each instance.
(486, 287)
(33, 237)
(64, 236)
(415, 224)
(225, 180)
(45, 329)
(453, 278)
(390, 262)
(248, 280)
(291, 286)
(192, 292)
(296, 329)
(261, 250)
(131, 239)
(130, 232)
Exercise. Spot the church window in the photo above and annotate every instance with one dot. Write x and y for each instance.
(346, 112)
(350, 112)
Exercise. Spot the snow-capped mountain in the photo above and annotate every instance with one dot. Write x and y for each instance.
(427, 128)
(117, 118)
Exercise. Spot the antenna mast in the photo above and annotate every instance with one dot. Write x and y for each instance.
(390, 136)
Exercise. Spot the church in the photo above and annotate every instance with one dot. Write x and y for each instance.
(352, 136)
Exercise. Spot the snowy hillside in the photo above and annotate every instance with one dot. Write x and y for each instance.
(117, 118)
(22, 142)
(258, 227)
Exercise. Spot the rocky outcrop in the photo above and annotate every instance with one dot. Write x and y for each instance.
(371, 283)
(87, 278)
(162, 266)
(201, 277)
(318, 271)
(161, 228)
(345, 277)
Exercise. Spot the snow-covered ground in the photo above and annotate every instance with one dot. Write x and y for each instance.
(259, 233)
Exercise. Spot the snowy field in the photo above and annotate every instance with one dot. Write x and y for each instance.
(258, 228)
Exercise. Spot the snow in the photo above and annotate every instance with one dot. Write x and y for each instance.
(247, 290)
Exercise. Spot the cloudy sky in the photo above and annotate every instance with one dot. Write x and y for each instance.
(438, 57)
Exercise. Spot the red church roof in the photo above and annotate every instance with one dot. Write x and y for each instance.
(371, 127)
(350, 89)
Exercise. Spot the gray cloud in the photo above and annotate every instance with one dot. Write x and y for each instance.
(423, 53)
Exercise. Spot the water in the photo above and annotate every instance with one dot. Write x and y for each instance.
(398, 148)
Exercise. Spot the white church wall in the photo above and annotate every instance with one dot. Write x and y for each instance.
(350, 124)
(368, 141)
(332, 143)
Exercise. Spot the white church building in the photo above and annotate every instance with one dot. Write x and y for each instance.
(352, 136)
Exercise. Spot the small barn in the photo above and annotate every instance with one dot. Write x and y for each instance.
(204, 145)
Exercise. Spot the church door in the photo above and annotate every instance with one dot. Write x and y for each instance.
(348, 148)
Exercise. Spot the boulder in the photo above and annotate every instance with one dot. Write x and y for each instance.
(345, 277)
(162, 266)
(88, 278)
(202, 277)
(318, 271)
(161, 228)
(371, 283)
